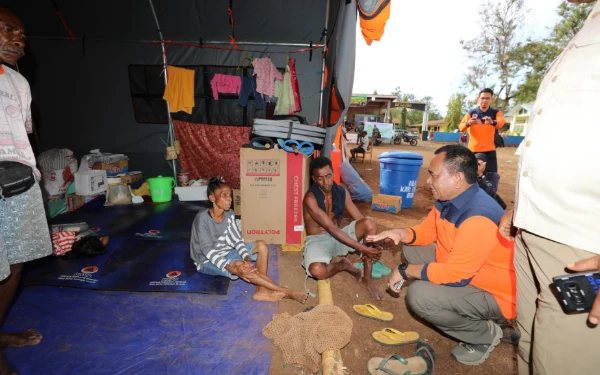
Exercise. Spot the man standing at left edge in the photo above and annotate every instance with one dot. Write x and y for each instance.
(24, 232)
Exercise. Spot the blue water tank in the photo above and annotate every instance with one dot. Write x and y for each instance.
(399, 173)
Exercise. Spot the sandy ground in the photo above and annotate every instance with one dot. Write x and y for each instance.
(346, 291)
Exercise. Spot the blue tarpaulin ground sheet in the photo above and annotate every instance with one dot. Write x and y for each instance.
(115, 332)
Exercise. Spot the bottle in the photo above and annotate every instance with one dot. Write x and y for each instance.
(333, 146)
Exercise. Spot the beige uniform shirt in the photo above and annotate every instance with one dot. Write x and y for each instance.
(558, 186)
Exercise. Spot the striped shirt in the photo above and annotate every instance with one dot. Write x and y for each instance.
(212, 241)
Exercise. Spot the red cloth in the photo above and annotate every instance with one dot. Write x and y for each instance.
(62, 242)
(211, 150)
(295, 87)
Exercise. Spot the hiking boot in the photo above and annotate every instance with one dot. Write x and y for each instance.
(473, 355)
(510, 334)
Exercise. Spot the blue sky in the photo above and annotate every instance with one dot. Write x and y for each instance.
(420, 50)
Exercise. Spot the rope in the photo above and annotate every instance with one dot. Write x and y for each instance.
(232, 36)
(63, 20)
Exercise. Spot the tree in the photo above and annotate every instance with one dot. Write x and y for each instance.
(500, 22)
(536, 56)
(572, 18)
(455, 111)
(412, 116)
(375, 92)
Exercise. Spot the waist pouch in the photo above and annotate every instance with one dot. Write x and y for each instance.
(15, 178)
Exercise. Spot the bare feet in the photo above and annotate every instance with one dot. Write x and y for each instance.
(373, 291)
(4, 367)
(349, 267)
(299, 296)
(268, 295)
(18, 339)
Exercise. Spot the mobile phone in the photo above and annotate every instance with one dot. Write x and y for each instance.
(577, 291)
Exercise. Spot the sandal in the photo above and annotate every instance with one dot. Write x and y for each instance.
(397, 366)
(392, 337)
(372, 312)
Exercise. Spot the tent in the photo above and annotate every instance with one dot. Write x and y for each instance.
(95, 67)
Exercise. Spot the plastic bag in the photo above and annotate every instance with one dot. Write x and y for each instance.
(117, 195)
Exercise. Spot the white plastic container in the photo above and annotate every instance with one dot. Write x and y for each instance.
(90, 182)
(191, 193)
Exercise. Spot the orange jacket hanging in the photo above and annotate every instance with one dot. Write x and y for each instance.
(373, 18)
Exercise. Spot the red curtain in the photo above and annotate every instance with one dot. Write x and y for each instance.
(211, 150)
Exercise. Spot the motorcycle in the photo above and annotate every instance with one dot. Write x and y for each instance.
(406, 137)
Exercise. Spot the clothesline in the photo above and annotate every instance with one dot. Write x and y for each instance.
(297, 73)
(307, 73)
(313, 94)
(198, 45)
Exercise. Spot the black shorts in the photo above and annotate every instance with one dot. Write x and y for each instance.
(358, 149)
(492, 161)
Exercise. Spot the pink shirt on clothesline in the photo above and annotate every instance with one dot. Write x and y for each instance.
(266, 73)
(226, 84)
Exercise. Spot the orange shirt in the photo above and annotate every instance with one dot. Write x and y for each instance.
(481, 136)
(469, 249)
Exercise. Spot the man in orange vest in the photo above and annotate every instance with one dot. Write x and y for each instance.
(481, 124)
(464, 278)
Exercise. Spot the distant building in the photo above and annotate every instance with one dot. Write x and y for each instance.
(519, 118)
(435, 125)
(365, 108)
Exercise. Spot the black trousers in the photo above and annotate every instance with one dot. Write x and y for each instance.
(492, 161)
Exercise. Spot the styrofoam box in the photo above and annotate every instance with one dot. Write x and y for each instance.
(90, 182)
(191, 193)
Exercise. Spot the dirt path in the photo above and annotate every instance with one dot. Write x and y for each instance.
(346, 292)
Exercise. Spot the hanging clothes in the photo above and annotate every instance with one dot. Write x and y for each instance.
(266, 73)
(225, 84)
(180, 89)
(249, 88)
(285, 102)
(295, 87)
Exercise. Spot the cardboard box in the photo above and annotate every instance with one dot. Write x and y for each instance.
(273, 183)
(90, 182)
(112, 169)
(130, 177)
(237, 201)
(386, 203)
(75, 201)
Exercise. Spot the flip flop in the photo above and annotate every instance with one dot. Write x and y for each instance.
(374, 273)
(397, 366)
(392, 337)
(381, 268)
(372, 312)
(378, 267)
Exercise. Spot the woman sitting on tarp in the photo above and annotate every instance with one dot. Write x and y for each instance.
(217, 248)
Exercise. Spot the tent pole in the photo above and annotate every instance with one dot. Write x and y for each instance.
(323, 68)
(204, 42)
(171, 133)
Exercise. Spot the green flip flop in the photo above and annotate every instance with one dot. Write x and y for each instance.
(382, 269)
(378, 268)
(375, 274)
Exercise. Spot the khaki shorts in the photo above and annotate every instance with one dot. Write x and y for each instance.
(321, 248)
